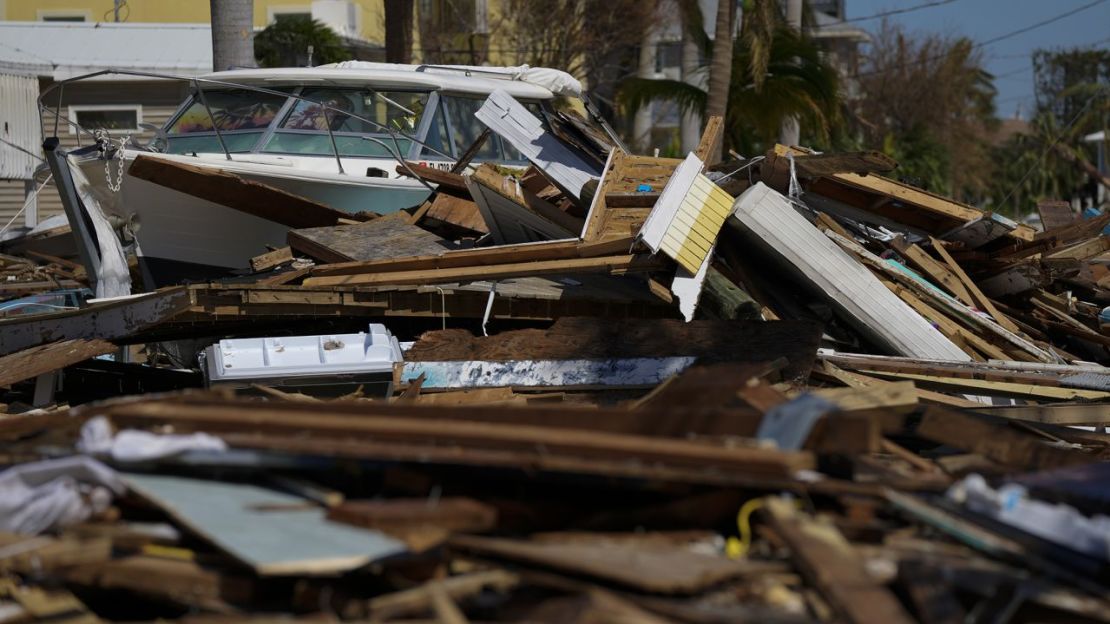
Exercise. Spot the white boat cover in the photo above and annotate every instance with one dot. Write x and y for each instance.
(556, 81)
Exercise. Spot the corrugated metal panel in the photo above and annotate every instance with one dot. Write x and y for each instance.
(19, 126)
(863, 299)
(689, 214)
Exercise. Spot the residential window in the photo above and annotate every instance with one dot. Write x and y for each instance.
(63, 15)
(294, 12)
(112, 117)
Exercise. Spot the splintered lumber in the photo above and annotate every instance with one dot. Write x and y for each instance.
(446, 180)
(768, 217)
(1000, 388)
(981, 300)
(48, 358)
(576, 338)
(830, 562)
(996, 442)
(266, 530)
(938, 272)
(604, 264)
(657, 569)
(227, 189)
(184, 582)
(710, 143)
(482, 256)
(457, 211)
(271, 259)
(1092, 414)
(941, 214)
(451, 514)
(965, 314)
(418, 599)
(386, 237)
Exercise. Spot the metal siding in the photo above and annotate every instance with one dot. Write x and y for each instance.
(18, 125)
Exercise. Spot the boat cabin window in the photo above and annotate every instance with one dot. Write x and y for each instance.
(465, 129)
(241, 116)
(351, 115)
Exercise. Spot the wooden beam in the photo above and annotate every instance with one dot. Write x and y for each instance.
(604, 264)
(933, 269)
(996, 442)
(271, 259)
(710, 143)
(31, 363)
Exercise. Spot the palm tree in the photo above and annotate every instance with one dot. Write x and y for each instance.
(768, 83)
(232, 34)
(398, 31)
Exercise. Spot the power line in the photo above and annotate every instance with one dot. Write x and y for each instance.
(897, 11)
(1002, 37)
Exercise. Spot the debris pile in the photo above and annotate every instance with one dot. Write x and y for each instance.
(606, 388)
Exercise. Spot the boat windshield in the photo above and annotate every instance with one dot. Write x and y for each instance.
(351, 115)
(300, 126)
(241, 116)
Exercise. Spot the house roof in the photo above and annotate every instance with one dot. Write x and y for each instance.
(62, 50)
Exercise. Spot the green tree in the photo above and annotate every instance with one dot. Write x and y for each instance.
(285, 43)
(789, 78)
(926, 100)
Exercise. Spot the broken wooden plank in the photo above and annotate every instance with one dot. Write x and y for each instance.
(981, 300)
(463, 213)
(673, 570)
(710, 144)
(35, 361)
(271, 259)
(515, 214)
(227, 189)
(828, 561)
(998, 443)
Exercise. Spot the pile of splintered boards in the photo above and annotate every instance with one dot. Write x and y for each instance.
(617, 388)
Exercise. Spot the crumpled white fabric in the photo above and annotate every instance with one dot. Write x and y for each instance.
(57, 493)
(131, 445)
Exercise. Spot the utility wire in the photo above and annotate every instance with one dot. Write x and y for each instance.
(994, 40)
(897, 11)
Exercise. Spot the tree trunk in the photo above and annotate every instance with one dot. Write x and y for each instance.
(642, 121)
(791, 130)
(720, 68)
(690, 124)
(398, 31)
(232, 34)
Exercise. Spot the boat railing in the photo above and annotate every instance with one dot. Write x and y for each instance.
(394, 152)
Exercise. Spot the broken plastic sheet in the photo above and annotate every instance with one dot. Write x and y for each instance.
(53, 494)
(113, 278)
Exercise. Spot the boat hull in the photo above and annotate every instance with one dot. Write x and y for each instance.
(182, 237)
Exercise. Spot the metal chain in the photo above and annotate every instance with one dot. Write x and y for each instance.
(101, 135)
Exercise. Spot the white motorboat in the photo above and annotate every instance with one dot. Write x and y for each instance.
(334, 134)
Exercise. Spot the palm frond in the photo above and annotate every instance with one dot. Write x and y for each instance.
(635, 93)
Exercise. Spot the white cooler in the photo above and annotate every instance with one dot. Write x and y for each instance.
(332, 364)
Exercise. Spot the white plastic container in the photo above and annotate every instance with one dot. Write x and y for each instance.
(330, 364)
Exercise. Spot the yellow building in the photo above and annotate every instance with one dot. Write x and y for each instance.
(361, 20)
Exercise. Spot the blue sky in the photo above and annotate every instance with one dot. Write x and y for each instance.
(1009, 60)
